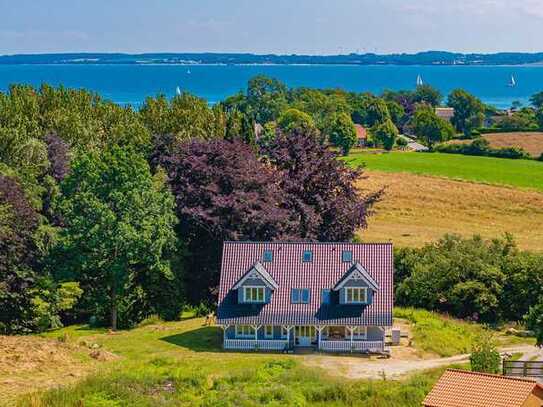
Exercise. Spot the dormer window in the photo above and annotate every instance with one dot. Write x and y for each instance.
(347, 256)
(254, 294)
(267, 256)
(356, 295)
(307, 256)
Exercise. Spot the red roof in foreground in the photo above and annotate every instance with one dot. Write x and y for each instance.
(324, 272)
(459, 388)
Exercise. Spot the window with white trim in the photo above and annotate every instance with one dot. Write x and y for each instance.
(360, 332)
(356, 295)
(253, 294)
(267, 256)
(245, 331)
(268, 332)
(346, 256)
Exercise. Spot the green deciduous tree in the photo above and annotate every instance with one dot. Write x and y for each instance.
(468, 111)
(267, 98)
(119, 233)
(341, 132)
(537, 100)
(385, 134)
(296, 120)
(428, 95)
(534, 321)
(430, 128)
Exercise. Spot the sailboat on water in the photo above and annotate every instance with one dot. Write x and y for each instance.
(512, 83)
(178, 91)
(420, 82)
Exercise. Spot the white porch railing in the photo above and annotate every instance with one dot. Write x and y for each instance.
(251, 344)
(355, 346)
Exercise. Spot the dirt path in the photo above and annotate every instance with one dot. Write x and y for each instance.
(361, 368)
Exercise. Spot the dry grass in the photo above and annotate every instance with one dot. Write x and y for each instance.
(420, 209)
(532, 143)
(30, 363)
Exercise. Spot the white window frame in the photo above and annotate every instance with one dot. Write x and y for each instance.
(358, 290)
(249, 288)
(268, 335)
(360, 332)
(245, 331)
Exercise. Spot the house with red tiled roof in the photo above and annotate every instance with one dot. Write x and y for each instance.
(332, 297)
(460, 388)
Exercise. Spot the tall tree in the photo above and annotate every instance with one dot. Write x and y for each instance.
(320, 189)
(428, 95)
(267, 98)
(18, 223)
(223, 192)
(385, 134)
(119, 231)
(537, 100)
(341, 132)
(430, 128)
(468, 111)
(296, 120)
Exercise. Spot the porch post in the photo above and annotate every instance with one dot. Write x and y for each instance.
(224, 328)
(351, 330)
(319, 330)
(256, 327)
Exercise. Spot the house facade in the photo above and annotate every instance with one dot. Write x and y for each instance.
(332, 297)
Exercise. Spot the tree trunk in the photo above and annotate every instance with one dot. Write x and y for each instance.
(114, 307)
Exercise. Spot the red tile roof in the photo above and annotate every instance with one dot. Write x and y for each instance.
(361, 132)
(324, 272)
(459, 388)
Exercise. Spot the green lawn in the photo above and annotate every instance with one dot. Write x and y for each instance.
(182, 364)
(517, 173)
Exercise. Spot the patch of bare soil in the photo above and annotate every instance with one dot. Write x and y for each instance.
(29, 363)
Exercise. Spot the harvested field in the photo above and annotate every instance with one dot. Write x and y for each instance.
(419, 209)
(532, 143)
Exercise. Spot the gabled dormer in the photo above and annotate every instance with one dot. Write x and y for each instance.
(256, 286)
(356, 287)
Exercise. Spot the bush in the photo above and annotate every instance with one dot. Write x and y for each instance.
(481, 147)
(534, 321)
(150, 320)
(485, 356)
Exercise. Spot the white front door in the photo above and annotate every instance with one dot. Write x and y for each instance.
(304, 335)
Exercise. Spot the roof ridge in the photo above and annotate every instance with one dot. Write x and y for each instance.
(469, 372)
(304, 242)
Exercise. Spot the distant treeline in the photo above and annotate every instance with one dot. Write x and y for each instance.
(421, 58)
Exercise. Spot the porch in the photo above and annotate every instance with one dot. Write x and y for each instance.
(335, 339)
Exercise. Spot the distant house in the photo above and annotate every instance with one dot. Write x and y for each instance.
(361, 135)
(446, 113)
(332, 297)
(459, 388)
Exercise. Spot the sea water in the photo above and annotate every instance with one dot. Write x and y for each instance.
(131, 84)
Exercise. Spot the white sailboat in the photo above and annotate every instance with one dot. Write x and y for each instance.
(419, 81)
(178, 90)
(188, 71)
(513, 82)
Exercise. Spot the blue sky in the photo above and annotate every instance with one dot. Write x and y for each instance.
(270, 26)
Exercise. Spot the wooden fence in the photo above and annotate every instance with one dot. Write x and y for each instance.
(522, 368)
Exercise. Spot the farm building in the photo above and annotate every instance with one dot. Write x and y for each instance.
(332, 297)
(459, 388)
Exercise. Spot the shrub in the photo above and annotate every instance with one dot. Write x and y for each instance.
(481, 147)
(150, 320)
(485, 356)
(534, 321)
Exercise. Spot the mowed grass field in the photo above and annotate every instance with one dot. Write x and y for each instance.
(497, 171)
(417, 209)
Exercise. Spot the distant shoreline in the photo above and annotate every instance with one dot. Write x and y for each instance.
(430, 58)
